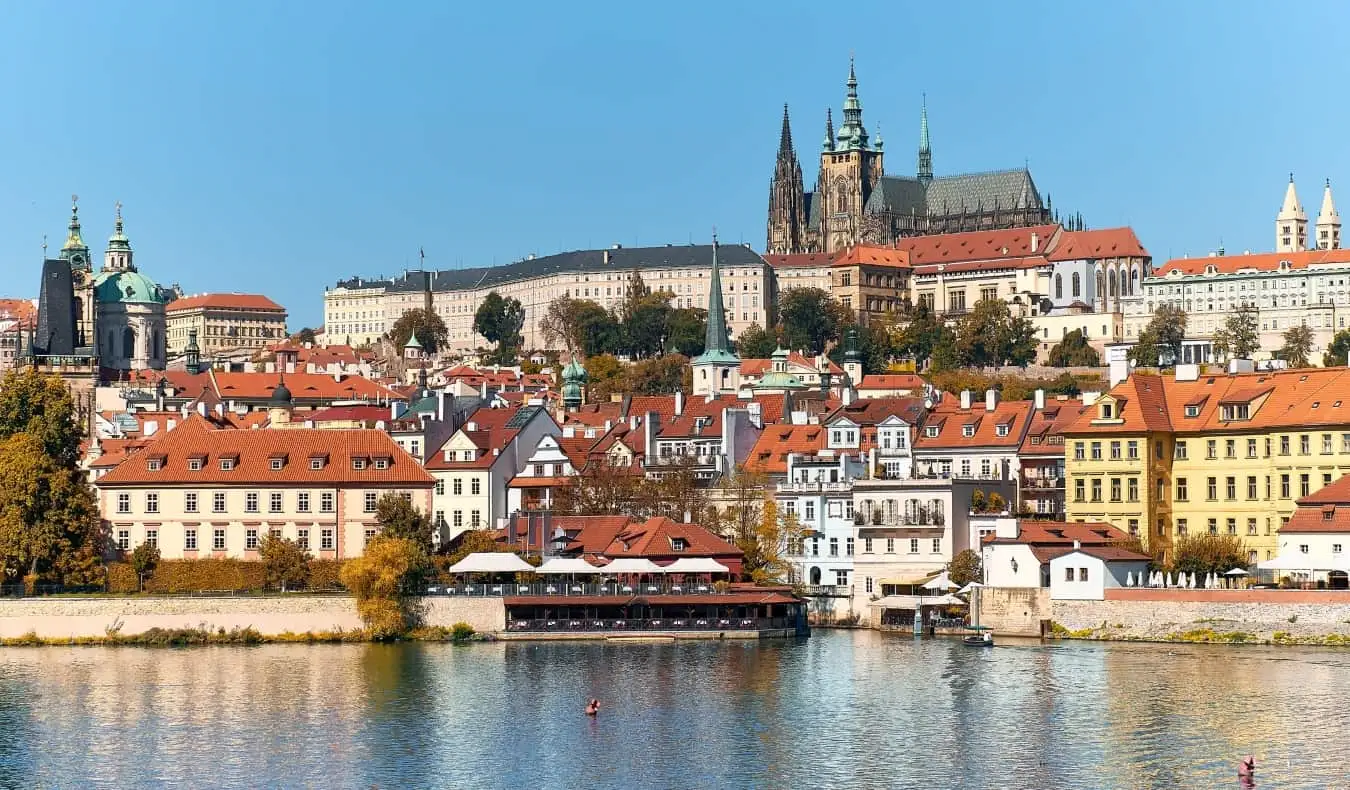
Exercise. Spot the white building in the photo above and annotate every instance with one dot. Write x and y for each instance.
(1085, 573)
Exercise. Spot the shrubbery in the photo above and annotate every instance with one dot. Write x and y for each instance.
(181, 576)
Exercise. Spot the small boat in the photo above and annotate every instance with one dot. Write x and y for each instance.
(983, 636)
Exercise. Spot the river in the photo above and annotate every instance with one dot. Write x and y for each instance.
(841, 709)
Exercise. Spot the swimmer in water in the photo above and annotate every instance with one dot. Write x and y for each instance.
(593, 707)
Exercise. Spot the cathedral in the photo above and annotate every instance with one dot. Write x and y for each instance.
(856, 202)
(114, 317)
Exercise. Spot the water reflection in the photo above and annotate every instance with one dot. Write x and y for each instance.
(840, 709)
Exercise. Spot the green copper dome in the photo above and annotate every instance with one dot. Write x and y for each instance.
(574, 372)
(128, 286)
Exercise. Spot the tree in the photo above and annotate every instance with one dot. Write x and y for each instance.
(601, 332)
(425, 325)
(49, 521)
(572, 323)
(874, 345)
(765, 553)
(946, 356)
(286, 564)
(383, 581)
(1203, 554)
(399, 519)
(646, 324)
(473, 541)
(1298, 346)
(40, 406)
(1237, 339)
(603, 489)
(606, 375)
(990, 336)
(1339, 350)
(1160, 342)
(920, 335)
(143, 561)
(1073, 351)
(811, 319)
(965, 568)
(687, 330)
(755, 343)
(499, 321)
(305, 335)
(659, 376)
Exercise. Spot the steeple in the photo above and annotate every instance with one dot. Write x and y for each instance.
(829, 132)
(785, 136)
(1328, 222)
(717, 369)
(852, 135)
(1291, 224)
(787, 198)
(925, 150)
(118, 256)
(75, 251)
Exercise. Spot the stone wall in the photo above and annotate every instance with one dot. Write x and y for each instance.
(1014, 611)
(1154, 618)
(59, 618)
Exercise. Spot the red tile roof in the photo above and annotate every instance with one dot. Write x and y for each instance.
(796, 361)
(361, 413)
(257, 386)
(872, 411)
(870, 255)
(1264, 262)
(226, 301)
(1045, 435)
(1325, 510)
(951, 420)
(769, 455)
(982, 245)
(1028, 262)
(1063, 533)
(254, 450)
(486, 428)
(654, 538)
(892, 381)
(1092, 244)
(21, 310)
(799, 260)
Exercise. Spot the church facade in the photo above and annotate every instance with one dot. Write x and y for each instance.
(856, 202)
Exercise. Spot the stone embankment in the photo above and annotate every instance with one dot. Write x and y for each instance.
(62, 618)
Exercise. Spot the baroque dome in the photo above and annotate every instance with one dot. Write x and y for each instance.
(128, 287)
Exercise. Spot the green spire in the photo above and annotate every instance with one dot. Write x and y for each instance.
(716, 347)
(925, 150)
(73, 239)
(119, 240)
(852, 135)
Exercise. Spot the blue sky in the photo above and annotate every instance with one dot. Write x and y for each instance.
(276, 147)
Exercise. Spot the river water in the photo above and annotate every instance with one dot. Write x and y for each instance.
(841, 709)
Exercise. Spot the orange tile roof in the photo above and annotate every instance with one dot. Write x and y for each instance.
(798, 260)
(577, 449)
(652, 538)
(982, 245)
(225, 301)
(21, 310)
(487, 429)
(1045, 434)
(1028, 262)
(254, 450)
(769, 455)
(1060, 533)
(255, 386)
(796, 359)
(360, 413)
(872, 411)
(1265, 262)
(891, 381)
(870, 255)
(1326, 510)
(595, 415)
(663, 405)
(1104, 243)
(951, 420)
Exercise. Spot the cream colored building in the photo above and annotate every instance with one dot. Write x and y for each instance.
(354, 312)
(224, 322)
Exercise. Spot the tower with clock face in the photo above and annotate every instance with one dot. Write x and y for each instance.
(76, 253)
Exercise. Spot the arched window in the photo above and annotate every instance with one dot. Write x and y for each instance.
(128, 342)
(1134, 280)
(1113, 285)
(1077, 286)
(815, 576)
(1124, 283)
(1059, 286)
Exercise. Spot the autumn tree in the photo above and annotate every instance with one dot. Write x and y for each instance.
(965, 568)
(579, 325)
(399, 519)
(1203, 554)
(40, 406)
(1160, 341)
(473, 541)
(659, 376)
(991, 336)
(1339, 351)
(286, 564)
(49, 521)
(606, 375)
(1237, 338)
(1073, 351)
(742, 495)
(384, 580)
(1298, 346)
(305, 335)
(428, 328)
(766, 554)
(755, 343)
(143, 562)
(811, 319)
(499, 321)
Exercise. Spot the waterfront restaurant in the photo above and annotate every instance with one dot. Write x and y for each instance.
(742, 610)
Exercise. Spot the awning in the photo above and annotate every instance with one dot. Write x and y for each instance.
(696, 565)
(632, 565)
(490, 562)
(940, 582)
(1294, 562)
(566, 565)
(913, 601)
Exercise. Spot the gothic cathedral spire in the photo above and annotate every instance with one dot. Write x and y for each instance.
(852, 134)
(787, 198)
(925, 149)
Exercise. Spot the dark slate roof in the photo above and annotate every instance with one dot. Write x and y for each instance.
(1008, 189)
(619, 259)
(897, 195)
(812, 210)
(364, 282)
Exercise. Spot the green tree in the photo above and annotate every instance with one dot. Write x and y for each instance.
(990, 336)
(920, 334)
(143, 562)
(601, 332)
(49, 521)
(425, 324)
(1339, 350)
(607, 376)
(687, 330)
(766, 552)
(811, 319)
(1073, 351)
(305, 335)
(658, 376)
(1237, 338)
(874, 344)
(946, 355)
(1298, 346)
(499, 321)
(755, 343)
(965, 568)
(1203, 554)
(384, 580)
(1160, 342)
(646, 324)
(399, 519)
(40, 406)
(286, 564)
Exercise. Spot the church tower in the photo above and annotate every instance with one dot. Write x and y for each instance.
(849, 168)
(117, 258)
(1291, 224)
(925, 172)
(717, 370)
(787, 198)
(76, 255)
(1328, 222)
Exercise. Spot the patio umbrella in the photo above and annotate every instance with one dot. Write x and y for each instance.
(564, 566)
(944, 600)
(968, 588)
(940, 582)
(1237, 572)
(696, 565)
(490, 562)
(632, 565)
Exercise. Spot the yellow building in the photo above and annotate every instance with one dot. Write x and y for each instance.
(1219, 454)
(224, 322)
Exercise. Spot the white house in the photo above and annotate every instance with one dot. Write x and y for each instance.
(1086, 572)
(1315, 538)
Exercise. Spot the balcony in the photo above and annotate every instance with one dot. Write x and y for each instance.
(681, 460)
(815, 487)
(1042, 482)
(827, 591)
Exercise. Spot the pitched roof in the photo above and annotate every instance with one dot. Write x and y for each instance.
(800, 260)
(1045, 434)
(872, 255)
(1093, 244)
(1141, 407)
(951, 421)
(358, 413)
(488, 430)
(1262, 262)
(225, 301)
(872, 411)
(797, 362)
(254, 451)
(655, 538)
(948, 195)
(984, 245)
(1063, 533)
(310, 387)
(769, 455)
(891, 381)
(21, 310)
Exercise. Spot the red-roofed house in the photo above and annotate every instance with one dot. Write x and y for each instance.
(1023, 559)
(1314, 539)
(604, 538)
(971, 440)
(224, 321)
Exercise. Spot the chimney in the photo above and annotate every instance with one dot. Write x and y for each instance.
(1039, 398)
(633, 422)
(1035, 241)
(1077, 545)
(679, 402)
(965, 399)
(990, 399)
(606, 257)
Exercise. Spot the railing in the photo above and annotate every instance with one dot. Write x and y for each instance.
(593, 625)
(494, 589)
(938, 475)
(814, 487)
(828, 591)
(49, 590)
(1043, 482)
(678, 460)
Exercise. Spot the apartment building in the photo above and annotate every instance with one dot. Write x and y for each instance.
(201, 490)
(972, 440)
(871, 281)
(1220, 454)
(224, 322)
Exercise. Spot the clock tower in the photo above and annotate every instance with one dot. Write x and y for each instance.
(76, 254)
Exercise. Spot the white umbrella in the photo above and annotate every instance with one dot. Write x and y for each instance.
(943, 600)
(632, 565)
(940, 582)
(490, 562)
(564, 566)
(1129, 579)
(1287, 562)
(1237, 572)
(968, 588)
(696, 565)
(1213, 580)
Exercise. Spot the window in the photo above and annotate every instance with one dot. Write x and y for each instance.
(1096, 451)
(194, 464)
(1303, 548)
(153, 464)
(152, 502)
(457, 519)
(967, 431)
(1180, 454)
(1284, 445)
(1211, 488)
(358, 464)
(1082, 574)
(124, 539)
(1181, 526)
(1303, 487)
(1077, 451)
(475, 519)
(190, 501)
(1251, 526)
(890, 545)
(371, 500)
(218, 540)
(315, 464)
(848, 546)
(458, 486)
(1079, 489)
(1001, 430)
(1284, 486)
(1192, 410)
(1251, 448)
(1115, 489)
(369, 535)
(190, 539)
(250, 540)
(913, 545)
(810, 510)
(274, 502)
(381, 463)
(1231, 525)
(1211, 448)
(1182, 494)
(815, 547)
(1304, 444)
(124, 503)
(251, 502)
(1326, 444)
(326, 539)
(1132, 489)
(1214, 526)
(1096, 490)
(1132, 450)
(326, 502)
(275, 464)
(1134, 526)
(440, 488)
(937, 545)
(1115, 451)
(226, 464)
(302, 501)
(1230, 448)
(302, 539)
(218, 502)
(867, 583)
(1068, 572)
(475, 487)
(834, 547)
(1335, 548)
(1230, 488)
(867, 545)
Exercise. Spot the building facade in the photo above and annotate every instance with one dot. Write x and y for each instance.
(225, 322)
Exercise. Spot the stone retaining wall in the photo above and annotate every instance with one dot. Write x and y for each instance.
(1014, 611)
(59, 618)
(1163, 619)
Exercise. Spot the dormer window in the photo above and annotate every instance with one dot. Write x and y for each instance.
(1108, 411)
(1001, 430)
(358, 464)
(154, 464)
(1192, 411)
(967, 431)
(1235, 411)
(194, 464)
(679, 544)
(275, 464)
(315, 464)
(227, 463)
(931, 431)
(381, 463)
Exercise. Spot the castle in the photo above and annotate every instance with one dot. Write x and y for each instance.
(856, 202)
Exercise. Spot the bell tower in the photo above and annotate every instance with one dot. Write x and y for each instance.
(850, 166)
(76, 255)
